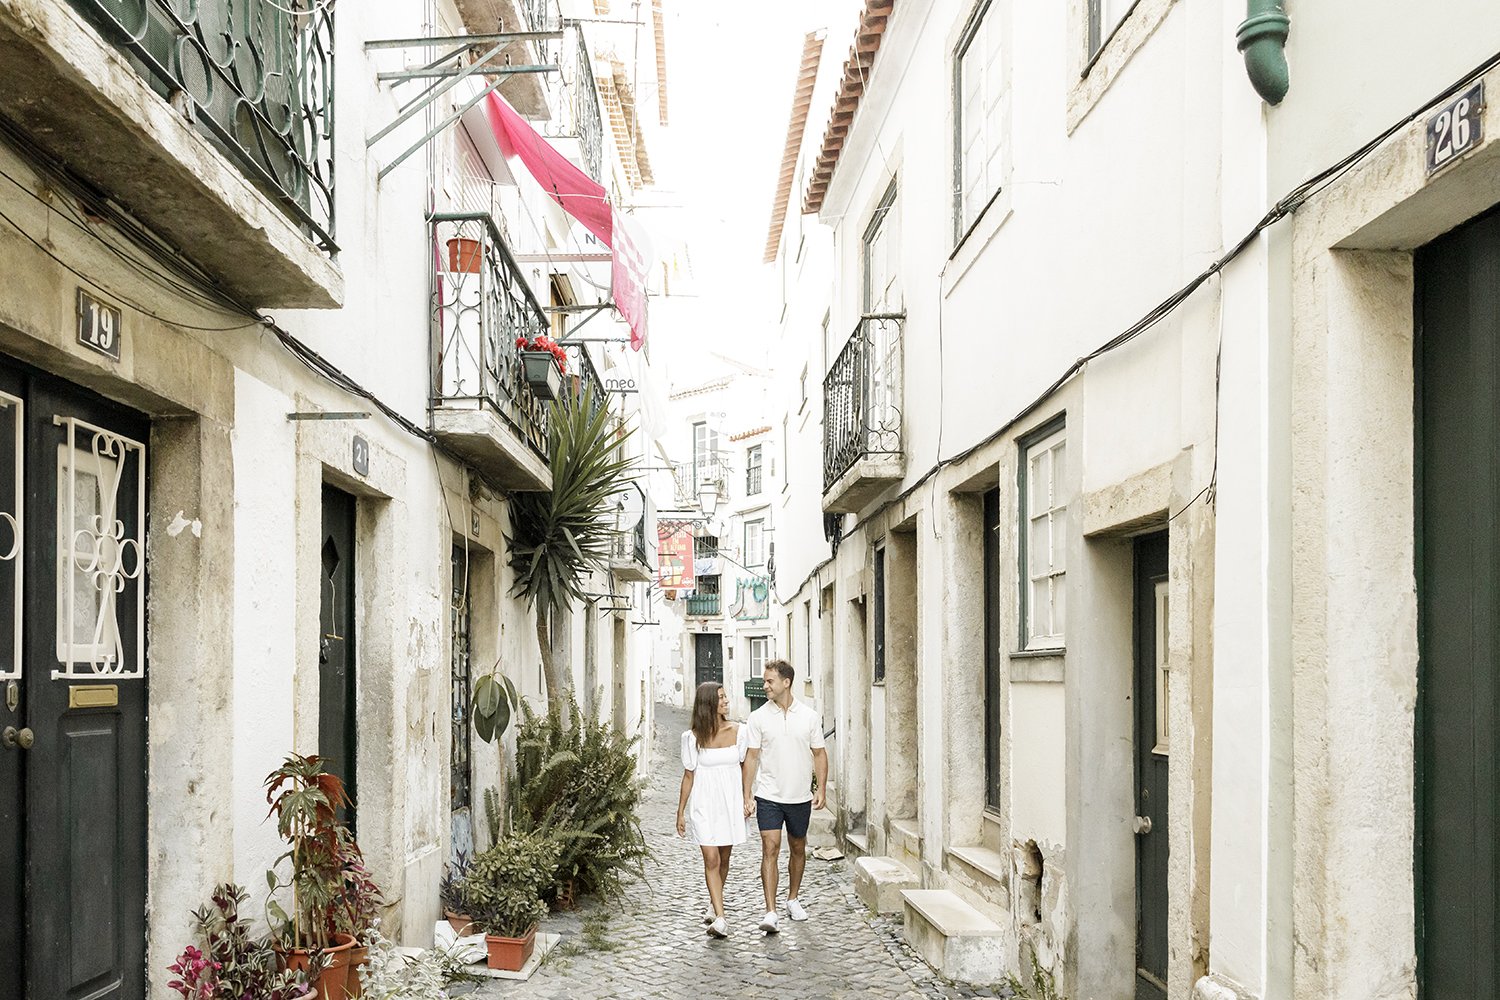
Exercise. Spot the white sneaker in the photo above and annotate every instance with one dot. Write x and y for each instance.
(708, 914)
(768, 923)
(795, 911)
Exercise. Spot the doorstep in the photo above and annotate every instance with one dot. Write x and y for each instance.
(954, 938)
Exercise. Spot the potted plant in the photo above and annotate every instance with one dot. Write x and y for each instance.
(450, 893)
(465, 256)
(503, 892)
(306, 799)
(543, 364)
(359, 910)
(234, 963)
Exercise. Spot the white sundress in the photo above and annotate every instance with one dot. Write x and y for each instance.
(716, 805)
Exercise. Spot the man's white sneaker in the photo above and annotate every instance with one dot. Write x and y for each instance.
(719, 928)
(795, 911)
(768, 923)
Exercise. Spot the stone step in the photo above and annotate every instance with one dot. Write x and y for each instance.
(954, 938)
(879, 882)
(982, 876)
(856, 845)
(820, 830)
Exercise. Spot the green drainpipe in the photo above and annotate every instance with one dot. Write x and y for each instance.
(1262, 37)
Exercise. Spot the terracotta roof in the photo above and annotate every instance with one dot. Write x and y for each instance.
(659, 25)
(750, 434)
(619, 101)
(807, 78)
(857, 70)
(714, 386)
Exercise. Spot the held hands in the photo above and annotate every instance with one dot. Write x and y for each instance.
(749, 806)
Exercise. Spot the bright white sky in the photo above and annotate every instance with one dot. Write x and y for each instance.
(731, 70)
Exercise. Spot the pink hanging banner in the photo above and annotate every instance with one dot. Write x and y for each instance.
(585, 200)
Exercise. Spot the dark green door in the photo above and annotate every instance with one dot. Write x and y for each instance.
(1151, 767)
(336, 687)
(709, 648)
(1458, 558)
(73, 711)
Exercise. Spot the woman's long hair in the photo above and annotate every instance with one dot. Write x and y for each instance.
(706, 712)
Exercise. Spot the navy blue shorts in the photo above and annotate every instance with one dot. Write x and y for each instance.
(796, 815)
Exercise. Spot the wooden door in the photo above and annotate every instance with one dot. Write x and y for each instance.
(1151, 748)
(73, 711)
(336, 681)
(1458, 559)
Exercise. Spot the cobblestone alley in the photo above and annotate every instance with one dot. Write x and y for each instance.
(651, 943)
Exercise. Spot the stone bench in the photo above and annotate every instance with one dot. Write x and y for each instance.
(879, 882)
(953, 937)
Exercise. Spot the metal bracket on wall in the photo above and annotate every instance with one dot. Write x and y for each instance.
(328, 415)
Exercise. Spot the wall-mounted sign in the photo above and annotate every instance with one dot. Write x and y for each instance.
(674, 565)
(98, 326)
(620, 385)
(361, 456)
(1456, 128)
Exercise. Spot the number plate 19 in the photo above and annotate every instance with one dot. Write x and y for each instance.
(1456, 129)
(98, 326)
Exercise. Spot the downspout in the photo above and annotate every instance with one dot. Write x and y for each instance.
(1262, 38)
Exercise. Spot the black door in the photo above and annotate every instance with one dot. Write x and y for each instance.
(73, 704)
(336, 654)
(709, 647)
(1151, 767)
(1458, 557)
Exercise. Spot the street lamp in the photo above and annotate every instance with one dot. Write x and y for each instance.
(708, 497)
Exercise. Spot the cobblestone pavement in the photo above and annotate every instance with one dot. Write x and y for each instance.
(652, 945)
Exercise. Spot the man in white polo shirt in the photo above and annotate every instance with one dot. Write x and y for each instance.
(785, 741)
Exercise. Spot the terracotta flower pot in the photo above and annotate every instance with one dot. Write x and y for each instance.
(359, 957)
(461, 923)
(465, 255)
(509, 954)
(333, 981)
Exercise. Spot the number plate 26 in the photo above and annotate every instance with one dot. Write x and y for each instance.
(1456, 129)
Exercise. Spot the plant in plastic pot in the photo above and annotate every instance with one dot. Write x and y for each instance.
(543, 364)
(503, 893)
(306, 799)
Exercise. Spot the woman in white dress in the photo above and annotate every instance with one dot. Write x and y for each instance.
(710, 809)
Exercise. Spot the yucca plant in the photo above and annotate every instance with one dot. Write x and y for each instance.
(558, 538)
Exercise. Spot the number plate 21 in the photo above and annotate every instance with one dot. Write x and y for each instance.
(1456, 129)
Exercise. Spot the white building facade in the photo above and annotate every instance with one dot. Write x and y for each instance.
(1126, 444)
(264, 420)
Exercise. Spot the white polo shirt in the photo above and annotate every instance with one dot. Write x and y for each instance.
(786, 741)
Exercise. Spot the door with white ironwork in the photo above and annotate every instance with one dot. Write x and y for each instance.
(73, 676)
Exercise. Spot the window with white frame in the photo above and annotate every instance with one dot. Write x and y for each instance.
(754, 459)
(979, 87)
(882, 243)
(760, 652)
(1104, 17)
(1044, 527)
(755, 542)
(705, 454)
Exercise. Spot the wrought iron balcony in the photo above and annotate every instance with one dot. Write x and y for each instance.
(256, 80)
(703, 606)
(583, 376)
(862, 446)
(581, 118)
(527, 92)
(481, 405)
(252, 82)
(629, 558)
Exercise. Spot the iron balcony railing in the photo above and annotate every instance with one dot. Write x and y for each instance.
(481, 304)
(862, 397)
(703, 605)
(630, 544)
(582, 376)
(581, 116)
(753, 481)
(256, 79)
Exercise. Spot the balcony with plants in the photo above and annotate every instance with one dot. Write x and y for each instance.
(494, 366)
(863, 452)
(220, 142)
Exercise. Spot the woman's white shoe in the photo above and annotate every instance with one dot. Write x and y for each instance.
(719, 928)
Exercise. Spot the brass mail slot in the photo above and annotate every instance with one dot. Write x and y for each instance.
(93, 696)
